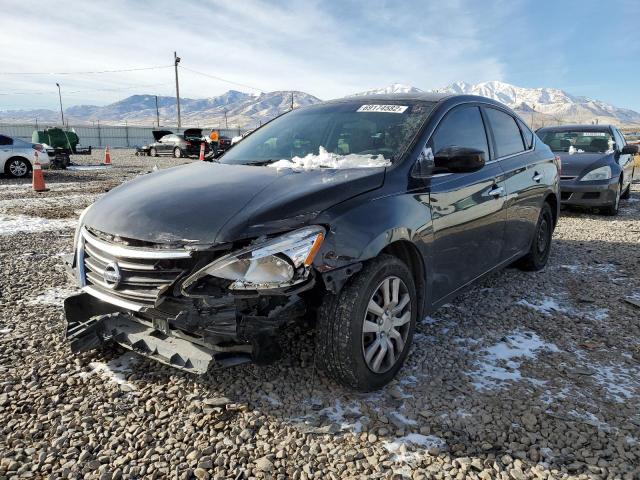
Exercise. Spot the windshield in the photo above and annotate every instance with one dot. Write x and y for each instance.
(577, 141)
(339, 135)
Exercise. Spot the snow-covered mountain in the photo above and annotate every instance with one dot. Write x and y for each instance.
(393, 88)
(551, 104)
(242, 110)
(537, 105)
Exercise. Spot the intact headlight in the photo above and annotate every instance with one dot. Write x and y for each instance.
(278, 262)
(601, 173)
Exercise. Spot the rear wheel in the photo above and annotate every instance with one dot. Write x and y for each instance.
(614, 208)
(17, 167)
(177, 153)
(153, 152)
(538, 255)
(365, 332)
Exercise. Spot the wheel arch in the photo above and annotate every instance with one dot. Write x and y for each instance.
(408, 253)
(552, 200)
(14, 157)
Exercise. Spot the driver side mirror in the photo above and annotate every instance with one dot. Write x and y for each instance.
(459, 160)
(630, 150)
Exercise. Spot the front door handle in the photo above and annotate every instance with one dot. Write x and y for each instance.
(496, 191)
(537, 177)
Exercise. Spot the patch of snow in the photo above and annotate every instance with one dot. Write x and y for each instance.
(400, 446)
(500, 362)
(12, 224)
(272, 400)
(590, 419)
(325, 159)
(346, 417)
(546, 305)
(4, 331)
(80, 168)
(430, 320)
(52, 296)
(402, 419)
(600, 268)
(115, 370)
(620, 382)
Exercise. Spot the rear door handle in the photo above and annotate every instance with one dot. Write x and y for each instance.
(537, 177)
(496, 191)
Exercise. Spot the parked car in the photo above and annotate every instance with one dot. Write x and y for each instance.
(597, 164)
(17, 156)
(184, 145)
(364, 213)
(224, 143)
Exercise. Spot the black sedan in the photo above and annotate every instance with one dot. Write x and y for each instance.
(597, 164)
(370, 212)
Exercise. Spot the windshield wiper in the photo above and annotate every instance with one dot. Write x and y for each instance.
(260, 163)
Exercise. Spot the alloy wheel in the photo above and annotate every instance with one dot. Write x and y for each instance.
(18, 168)
(543, 234)
(386, 325)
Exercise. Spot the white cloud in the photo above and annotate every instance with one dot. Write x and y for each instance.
(325, 49)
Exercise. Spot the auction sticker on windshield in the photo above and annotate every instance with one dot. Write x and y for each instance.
(383, 108)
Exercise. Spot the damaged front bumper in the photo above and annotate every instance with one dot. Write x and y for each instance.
(92, 322)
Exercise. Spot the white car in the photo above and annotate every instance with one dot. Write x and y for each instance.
(17, 156)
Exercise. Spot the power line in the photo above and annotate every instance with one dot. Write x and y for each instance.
(222, 79)
(88, 72)
(118, 89)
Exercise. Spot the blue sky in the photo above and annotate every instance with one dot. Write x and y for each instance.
(328, 48)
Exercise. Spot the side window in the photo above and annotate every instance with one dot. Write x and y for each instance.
(527, 134)
(5, 140)
(165, 139)
(505, 133)
(463, 127)
(619, 139)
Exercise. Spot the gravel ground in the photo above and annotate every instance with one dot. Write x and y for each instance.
(527, 375)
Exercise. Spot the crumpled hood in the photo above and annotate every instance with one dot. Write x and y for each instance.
(578, 163)
(207, 203)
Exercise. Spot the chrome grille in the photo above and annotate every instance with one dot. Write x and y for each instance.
(135, 276)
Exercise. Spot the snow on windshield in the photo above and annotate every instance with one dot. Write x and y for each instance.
(326, 159)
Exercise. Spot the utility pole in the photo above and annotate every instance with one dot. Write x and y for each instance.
(176, 61)
(226, 124)
(291, 100)
(157, 112)
(60, 97)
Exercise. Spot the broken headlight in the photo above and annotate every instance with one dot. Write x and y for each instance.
(274, 263)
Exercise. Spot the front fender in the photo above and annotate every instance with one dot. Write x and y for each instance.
(360, 229)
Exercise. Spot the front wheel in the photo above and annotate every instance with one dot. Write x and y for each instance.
(153, 152)
(17, 167)
(540, 249)
(614, 208)
(177, 153)
(365, 332)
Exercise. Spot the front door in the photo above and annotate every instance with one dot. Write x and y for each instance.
(467, 209)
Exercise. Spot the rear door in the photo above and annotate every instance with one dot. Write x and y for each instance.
(524, 177)
(467, 209)
(6, 150)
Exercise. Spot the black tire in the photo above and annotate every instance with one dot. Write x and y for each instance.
(177, 153)
(17, 167)
(540, 249)
(613, 209)
(340, 342)
(153, 152)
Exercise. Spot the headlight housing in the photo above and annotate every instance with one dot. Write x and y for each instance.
(278, 262)
(600, 173)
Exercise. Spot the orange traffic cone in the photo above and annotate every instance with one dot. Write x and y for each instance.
(201, 151)
(107, 156)
(38, 177)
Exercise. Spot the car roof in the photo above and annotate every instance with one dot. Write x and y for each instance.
(435, 97)
(577, 126)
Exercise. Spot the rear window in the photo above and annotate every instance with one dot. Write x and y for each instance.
(5, 140)
(578, 141)
(506, 133)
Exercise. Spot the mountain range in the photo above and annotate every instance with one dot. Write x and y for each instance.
(537, 105)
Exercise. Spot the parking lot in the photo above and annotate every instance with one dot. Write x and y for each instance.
(527, 375)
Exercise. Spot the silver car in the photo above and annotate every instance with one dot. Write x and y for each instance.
(17, 156)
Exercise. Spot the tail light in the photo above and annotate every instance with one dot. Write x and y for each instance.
(559, 164)
(188, 143)
(38, 147)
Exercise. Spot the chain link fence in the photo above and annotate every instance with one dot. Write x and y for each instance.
(113, 136)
